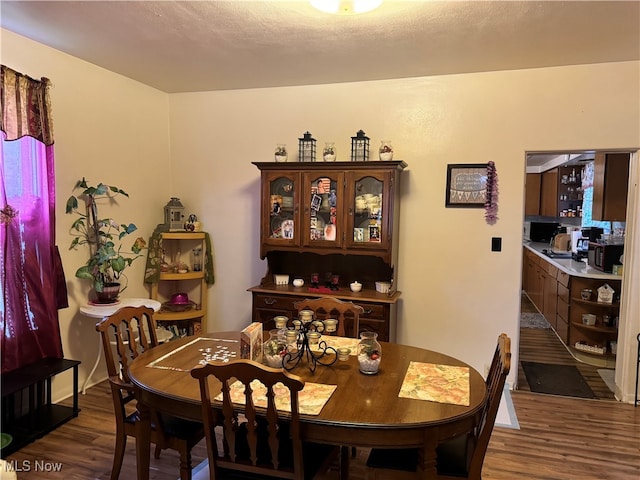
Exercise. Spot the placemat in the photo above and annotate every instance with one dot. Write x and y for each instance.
(311, 398)
(337, 342)
(436, 383)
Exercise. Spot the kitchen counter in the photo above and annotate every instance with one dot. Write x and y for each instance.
(568, 265)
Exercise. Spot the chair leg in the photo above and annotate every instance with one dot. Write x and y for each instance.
(344, 463)
(185, 464)
(118, 454)
(156, 452)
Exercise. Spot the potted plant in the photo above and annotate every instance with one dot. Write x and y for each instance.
(107, 261)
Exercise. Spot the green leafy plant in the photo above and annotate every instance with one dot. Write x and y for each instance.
(107, 261)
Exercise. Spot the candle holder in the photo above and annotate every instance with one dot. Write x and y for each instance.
(308, 345)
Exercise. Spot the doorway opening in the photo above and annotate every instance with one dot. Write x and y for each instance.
(560, 192)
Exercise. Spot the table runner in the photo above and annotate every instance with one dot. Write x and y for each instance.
(311, 398)
(436, 383)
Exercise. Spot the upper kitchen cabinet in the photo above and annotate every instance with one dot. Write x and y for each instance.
(549, 193)
(610, 186)
(329, 208)
(532, 194)
(554, 193)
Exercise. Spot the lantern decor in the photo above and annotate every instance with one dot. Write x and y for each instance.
(173, 215)
(307, 148)
(360, 147)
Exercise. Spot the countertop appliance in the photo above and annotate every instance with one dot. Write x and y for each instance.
(542, 231)
(592, 233)
(561, 243)
(604, 256)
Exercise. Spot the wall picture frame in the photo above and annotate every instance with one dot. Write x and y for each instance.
(466, 185)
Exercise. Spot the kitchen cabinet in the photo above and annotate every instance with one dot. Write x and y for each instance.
(533, 185)
(334, 219)
(546, 288)
(549, 193)
(178, 248)
(554, 193)
(610, 186)
(562, 306)
(549, 292)
(534, 279)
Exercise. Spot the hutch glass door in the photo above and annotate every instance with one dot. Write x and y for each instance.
(370, 215)
(282, 227)
(323, 192)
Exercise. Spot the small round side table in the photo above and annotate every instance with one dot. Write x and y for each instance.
(101, 311)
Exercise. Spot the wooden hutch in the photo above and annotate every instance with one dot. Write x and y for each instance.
(336, 219)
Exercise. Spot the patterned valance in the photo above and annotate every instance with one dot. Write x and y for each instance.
(26, 108)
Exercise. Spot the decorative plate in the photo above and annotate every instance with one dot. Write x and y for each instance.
(178, 307)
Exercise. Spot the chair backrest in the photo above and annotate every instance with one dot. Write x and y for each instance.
(498, 371)
(132, 330)
(263, 444)
(331, 307)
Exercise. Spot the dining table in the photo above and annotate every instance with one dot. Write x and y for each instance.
(417, 399)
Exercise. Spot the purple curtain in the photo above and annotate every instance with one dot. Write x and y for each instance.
(32, 283)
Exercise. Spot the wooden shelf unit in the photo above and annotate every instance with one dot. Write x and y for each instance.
(193, 283)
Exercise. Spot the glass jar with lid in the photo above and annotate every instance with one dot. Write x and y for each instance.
(386, 150)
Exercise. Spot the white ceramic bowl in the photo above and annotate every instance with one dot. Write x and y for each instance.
(355, 286)
(298, 282)
(279, 279)
(383, 287)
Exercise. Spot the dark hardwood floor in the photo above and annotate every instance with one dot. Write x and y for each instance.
(544, 346)
(560, 438)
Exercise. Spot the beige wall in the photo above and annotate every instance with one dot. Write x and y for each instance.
(457, 294)
(108, 129)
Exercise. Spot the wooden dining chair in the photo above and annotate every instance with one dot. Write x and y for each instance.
(132, 330)
(331, 307)
(462, 456)
(268, 442)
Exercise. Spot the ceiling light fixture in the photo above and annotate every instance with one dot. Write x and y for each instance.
(345, 7)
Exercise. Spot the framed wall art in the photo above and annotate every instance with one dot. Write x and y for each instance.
(466, 185)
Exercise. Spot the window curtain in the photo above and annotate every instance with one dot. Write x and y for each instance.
(32, 281)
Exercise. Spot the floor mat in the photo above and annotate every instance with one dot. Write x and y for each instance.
(564, 380)
(506, 416)
(608, 376)
(533, 320)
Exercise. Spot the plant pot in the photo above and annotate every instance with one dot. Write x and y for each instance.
(109, 293)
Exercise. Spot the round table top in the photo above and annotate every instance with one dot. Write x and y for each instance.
(104, 310)
(359, 401)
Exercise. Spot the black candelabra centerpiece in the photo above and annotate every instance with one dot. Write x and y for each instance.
(303, 341)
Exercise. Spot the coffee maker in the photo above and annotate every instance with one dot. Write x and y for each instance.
(580, 241)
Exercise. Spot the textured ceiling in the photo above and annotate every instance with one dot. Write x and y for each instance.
(181, 46)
